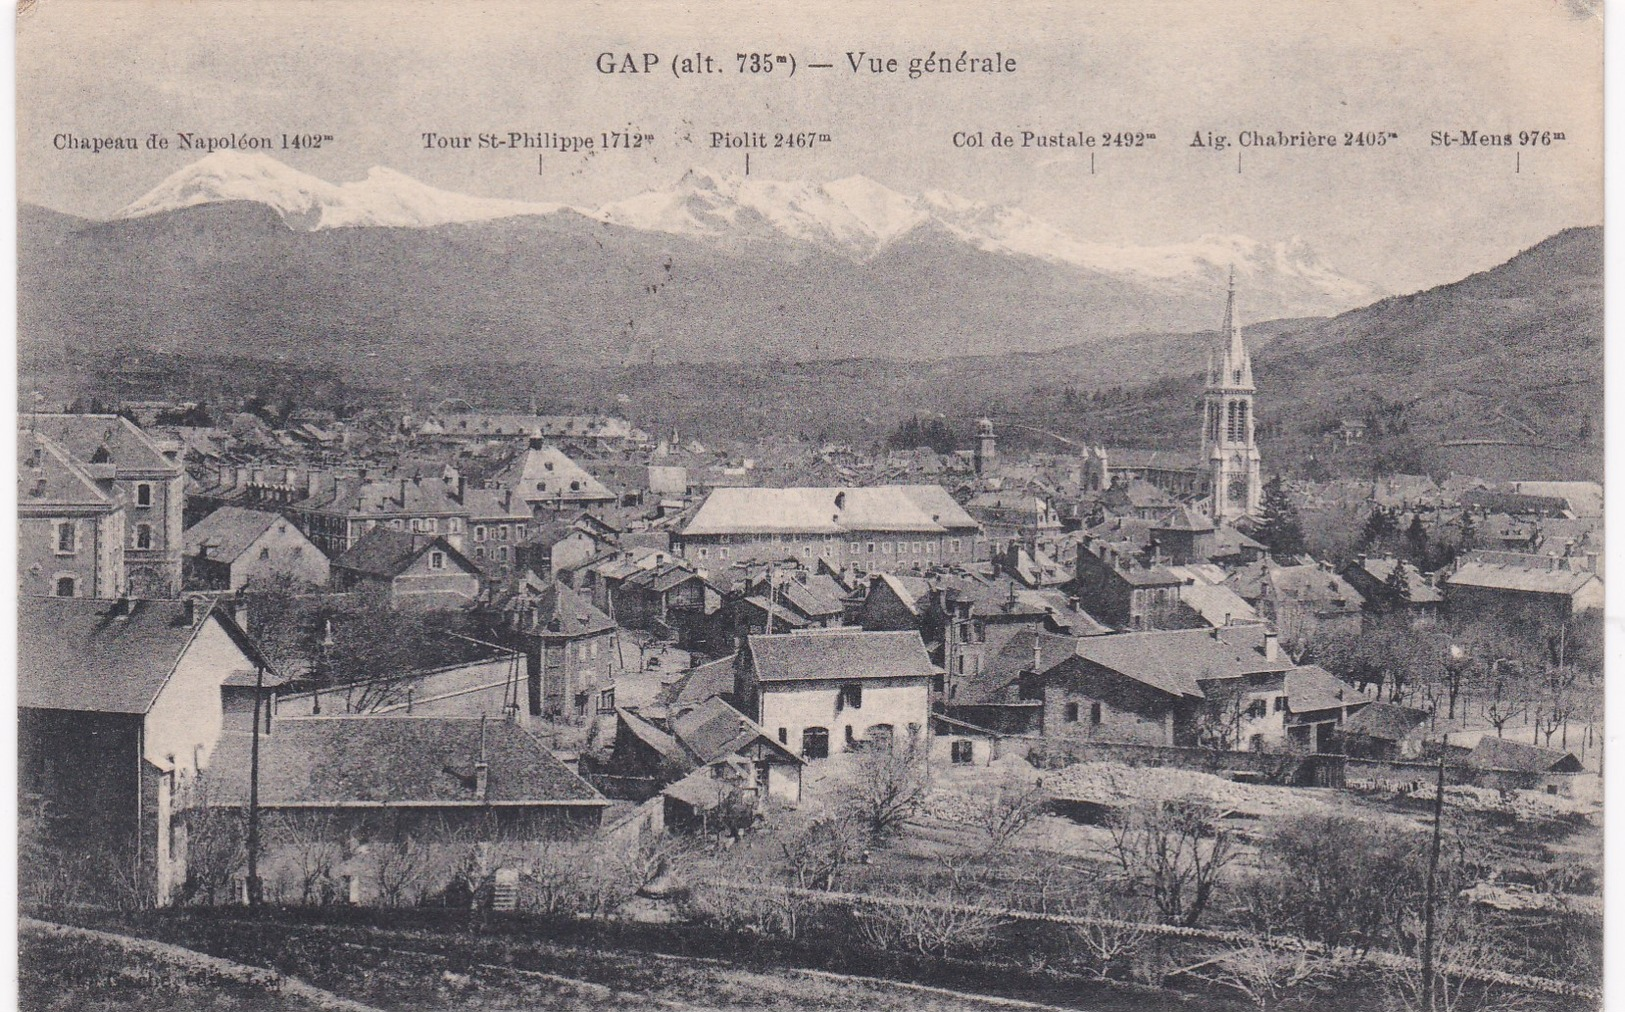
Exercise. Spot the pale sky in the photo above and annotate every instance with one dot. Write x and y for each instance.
(376, 76)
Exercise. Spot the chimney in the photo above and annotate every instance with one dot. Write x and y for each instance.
(244, 476)
(1272, 645)
(239, 613)
(462, 484)
(1591, 562)
(403, 491)
(1360, 560)
(1038, 653)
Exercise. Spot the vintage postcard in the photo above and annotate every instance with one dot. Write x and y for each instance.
(810, 506)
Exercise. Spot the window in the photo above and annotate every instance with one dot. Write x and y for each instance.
(67, 538)
(1256, 743)
(961, 751)
(479, 532)
(502, 554)
(417, 525)
(606, 701)
(265, 553)
(143, 494)
(143, 535)
(851, 736)
(592, 649)
(454, 525)
(65, 586)
(815, 743)
(437, 560)
(519, 532)
(854, 547)
(1280, 704)
(431, 525)
(852, 696)
(1094, 714)
(699, 553)
(502, 532)
(885, 548)
(871, 548)
(937, 684)
(722, 552)
(479, 552)
(882, 735)
(930, 548)
(954, 545)
(1257, 708)
(1072, 713)
(784, 736)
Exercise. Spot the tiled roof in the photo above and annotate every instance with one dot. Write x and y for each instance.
(713, 729)
(1421, 592)
(829, 510)
(1385, 722)
(96, 439)
(1177, 661)
(229, 531)
(561, 611)
(364, 760)
(1533, 574)
(1585, 498)
(49, 478)
(1310, 688)
(100, 656)
(838, 655)
(485, 504)
(545, 473)
(698, 684)
(1493, 753)
(385, 553)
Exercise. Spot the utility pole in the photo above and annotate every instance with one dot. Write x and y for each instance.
(254, 793)
(1433, 871)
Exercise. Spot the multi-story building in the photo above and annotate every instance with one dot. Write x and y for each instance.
(826, 691)
(70, 533)
(149, 481)
(499, 523)
(550, 483)
(892, 528)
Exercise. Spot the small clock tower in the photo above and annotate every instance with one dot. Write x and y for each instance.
(1227, 431)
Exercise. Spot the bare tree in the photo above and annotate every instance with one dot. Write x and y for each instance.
(398, 860)
(1110, 938)
(314, 845)
(1461, 946)
(1172, 851)
(216, 838)
(921, 923)
(887, 787)
(1000, 813)
(1271, 978)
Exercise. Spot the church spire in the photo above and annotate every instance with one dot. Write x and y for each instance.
(1235, 367)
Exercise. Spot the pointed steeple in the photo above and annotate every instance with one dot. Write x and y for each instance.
(1235, 366)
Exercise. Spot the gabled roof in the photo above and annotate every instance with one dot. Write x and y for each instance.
(829, 510)
(838, 655)
(713, 729)
(368, 760)
(102, 439)
(1385, 722)
(385, 553)
(544, 474)
(49, 478)
(1177, 661)
(105, 656)
(1500, 754)
(562, 611)
(1310, 688)
(1420, 591)
(485, 504)
(657, 739)
(230, 531)
(808, 601)
(698, 684)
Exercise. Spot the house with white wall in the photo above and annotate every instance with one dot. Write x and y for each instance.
(821, 692)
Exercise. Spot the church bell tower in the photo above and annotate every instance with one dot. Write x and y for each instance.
(1227, 432)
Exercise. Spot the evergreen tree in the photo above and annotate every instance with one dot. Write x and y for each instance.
(1280, 529)
(1379, 529)
(1398, 584)
(1416, 539)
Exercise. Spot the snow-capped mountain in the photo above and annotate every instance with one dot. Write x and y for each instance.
(384, 198)
(854, 217)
